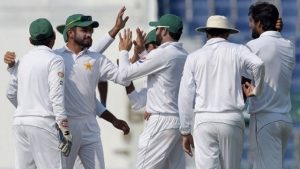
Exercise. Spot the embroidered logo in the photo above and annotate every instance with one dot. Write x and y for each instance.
(60, 74)
(88, 66)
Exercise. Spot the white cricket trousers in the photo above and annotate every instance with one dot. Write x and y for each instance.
(218, 145)
(159, 144)
(268, 143)
(37, 148)
(86, 143)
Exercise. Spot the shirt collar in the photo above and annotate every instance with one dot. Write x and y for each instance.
(66, 49)
(177, 44)
(271, 33)
(42, 47)
(214, 40)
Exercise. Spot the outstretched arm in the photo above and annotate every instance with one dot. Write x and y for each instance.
(120, 23)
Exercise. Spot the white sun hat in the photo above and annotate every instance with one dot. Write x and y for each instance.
(217, 22)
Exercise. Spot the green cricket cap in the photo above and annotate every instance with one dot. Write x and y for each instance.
(40, 29)
(78, 20)
(60, 28)
(151, 37)
(172, 22)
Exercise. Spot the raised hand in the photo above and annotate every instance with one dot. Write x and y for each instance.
(10, 58)
(120, 23)
(139, 43)
(125, 40)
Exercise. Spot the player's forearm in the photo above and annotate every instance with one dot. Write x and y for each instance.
(102, 87)
(130, 88)
(12, 99)
(186, 99)
(12, 90)
(114, 31)
(108, 116)
(259, 74)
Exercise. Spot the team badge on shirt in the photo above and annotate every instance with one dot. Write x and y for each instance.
(60, 74)
(88, 66)
(142, 60)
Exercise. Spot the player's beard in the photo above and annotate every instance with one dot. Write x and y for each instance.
(158, 39)
(255, 34)
(82, 41)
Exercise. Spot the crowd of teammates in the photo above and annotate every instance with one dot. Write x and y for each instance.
(51, 88)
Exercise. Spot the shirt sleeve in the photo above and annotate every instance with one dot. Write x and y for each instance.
(11, 69)
(101, 45)
(12, 89)
(138, 99)
(109, 71)
(152, 63)
(56, 86)
(99, 107)
(186, 98)
(255, 65)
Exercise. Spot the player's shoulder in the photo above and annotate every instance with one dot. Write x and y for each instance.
(197, 52)
(56, 57)
(233, 45)
(53, 55)
(95, 55)
(253, 42)
(59, 50)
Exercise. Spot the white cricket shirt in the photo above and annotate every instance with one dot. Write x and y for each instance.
(99, 46)
(83, 72)
(38, 85)
(211, 83)
(163, 68)
(278, 55)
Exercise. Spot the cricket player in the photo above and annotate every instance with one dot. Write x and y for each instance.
(90, 67)
(159, 144)
(102, 86)
(83, 65)
(37, 92)
(270, 120)
(211, 88)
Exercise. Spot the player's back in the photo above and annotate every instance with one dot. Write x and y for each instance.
(278, 55)
(33, 82)
(217, 69)
(163, 86)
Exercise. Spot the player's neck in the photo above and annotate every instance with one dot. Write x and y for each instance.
(74, 47)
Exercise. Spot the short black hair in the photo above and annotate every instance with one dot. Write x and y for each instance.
(215, 32)
(176, 36)
(44, 42)
(266, 13)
